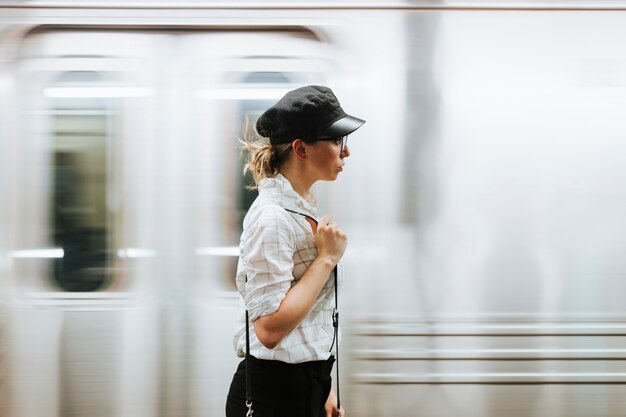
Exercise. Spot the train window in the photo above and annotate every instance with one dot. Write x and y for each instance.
(245, 100)
(84, 108)
(245, 83)
(275, 84)
(82, 136)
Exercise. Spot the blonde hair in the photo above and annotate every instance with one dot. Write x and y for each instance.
(263, 159)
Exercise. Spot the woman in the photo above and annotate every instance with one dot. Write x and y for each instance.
(287, 258)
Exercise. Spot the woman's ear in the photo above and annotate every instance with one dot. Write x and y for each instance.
(299, 149)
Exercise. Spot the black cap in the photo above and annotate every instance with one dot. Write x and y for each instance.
(308, 113)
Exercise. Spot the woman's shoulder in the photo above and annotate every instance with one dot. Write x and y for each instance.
(267, 214)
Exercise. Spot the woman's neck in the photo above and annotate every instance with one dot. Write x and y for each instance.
(299, 182)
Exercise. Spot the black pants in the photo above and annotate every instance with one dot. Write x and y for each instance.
(281, 389)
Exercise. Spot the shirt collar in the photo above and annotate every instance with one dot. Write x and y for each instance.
(279, 190)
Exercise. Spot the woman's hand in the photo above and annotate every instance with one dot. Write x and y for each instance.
(330, 241)
(331, 405)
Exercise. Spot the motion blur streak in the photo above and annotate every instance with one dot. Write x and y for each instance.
(484, 201)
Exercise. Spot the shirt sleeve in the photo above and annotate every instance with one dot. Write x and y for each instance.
(268, 258)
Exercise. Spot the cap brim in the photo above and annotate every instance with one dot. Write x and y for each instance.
(343, 127)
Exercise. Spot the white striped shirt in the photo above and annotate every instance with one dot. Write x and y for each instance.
(276, 248)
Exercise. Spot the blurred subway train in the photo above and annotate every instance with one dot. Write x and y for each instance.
(484, 201)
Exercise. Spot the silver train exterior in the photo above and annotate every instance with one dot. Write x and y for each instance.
(484, 201)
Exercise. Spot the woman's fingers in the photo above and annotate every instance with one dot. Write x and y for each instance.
(330, 240)
(324, 220)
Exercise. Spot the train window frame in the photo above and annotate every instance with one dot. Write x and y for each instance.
(227, 94)
(35, 75)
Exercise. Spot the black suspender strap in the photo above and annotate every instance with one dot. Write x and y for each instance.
(248, 379)
(335, 340)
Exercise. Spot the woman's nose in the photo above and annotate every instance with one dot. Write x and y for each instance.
(346, 152)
